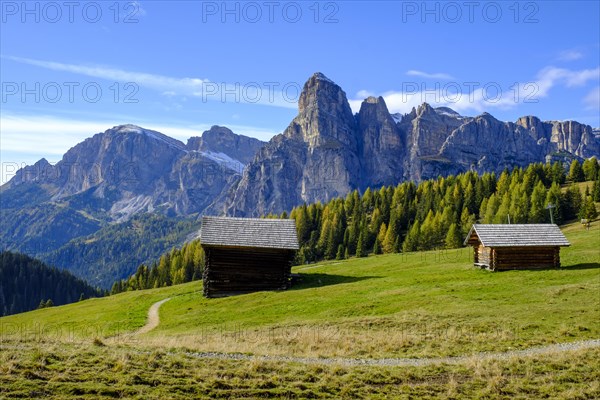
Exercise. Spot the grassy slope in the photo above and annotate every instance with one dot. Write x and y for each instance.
(418, 304)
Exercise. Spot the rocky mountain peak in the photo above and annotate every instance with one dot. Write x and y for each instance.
(371, 101)
(322, 93)
(323, 113)
(424, 110)
(221, 140)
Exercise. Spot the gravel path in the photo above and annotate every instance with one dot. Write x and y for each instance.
(153, 318)
(407, 362)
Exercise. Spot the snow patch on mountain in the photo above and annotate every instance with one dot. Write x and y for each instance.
(448, 112)
(224, 160)
(129, 128)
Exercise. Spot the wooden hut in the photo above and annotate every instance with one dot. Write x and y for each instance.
(246, 255)
(516, 246)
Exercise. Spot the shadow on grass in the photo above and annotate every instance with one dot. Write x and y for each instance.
(582, 266)
(305, 281)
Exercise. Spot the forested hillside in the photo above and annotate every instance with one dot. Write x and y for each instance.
(27, 283)
(439, 213)
(116, 250)
(177, 266)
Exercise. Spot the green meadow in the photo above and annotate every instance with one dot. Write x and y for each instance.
(425, 304)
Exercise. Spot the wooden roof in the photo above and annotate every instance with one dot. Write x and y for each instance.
(249, 232)
(517, 235)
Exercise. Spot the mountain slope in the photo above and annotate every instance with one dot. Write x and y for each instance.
(25, 282)
(75, 213)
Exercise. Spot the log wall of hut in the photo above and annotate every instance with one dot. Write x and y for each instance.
(506, 258)
(484, 256)
(234, 270)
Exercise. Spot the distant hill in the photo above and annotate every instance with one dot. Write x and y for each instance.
(26, 282)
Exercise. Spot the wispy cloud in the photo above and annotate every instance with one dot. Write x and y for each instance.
(138, 10)
(570, 55)
(239, 92)
(551, 76)
(592, 100)
(438, 75)
(467, 97)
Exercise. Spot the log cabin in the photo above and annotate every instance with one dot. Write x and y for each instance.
(500, 247)
(245, 255)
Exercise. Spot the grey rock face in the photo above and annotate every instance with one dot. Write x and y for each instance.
(315, 159)
(128, 169)
(568, 136)
(427, 129)
(219, 139)
(383, 144)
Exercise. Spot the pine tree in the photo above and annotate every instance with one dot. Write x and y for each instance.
(596, 190)
(411, 242)
(537, 213)
(360, 246)
(466, 222)
(591, 169)
(576, 172)
(391, 234)
(381, 236)
(503, 212)
(573, 202)
(470, 202)
(588, 210)
(428, 233)
(558, 173)
(554, 198)
(454, 237)
(491, 209)
(340, 253)
(376, 247)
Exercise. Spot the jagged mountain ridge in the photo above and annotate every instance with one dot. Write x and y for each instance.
(326, 151)
(131, 169)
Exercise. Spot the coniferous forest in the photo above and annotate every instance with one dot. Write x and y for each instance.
(27, 284)
(434, 214)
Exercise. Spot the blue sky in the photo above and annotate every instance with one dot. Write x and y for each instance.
(72, 69)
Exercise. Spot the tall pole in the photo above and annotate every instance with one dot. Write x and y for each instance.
(550, 206)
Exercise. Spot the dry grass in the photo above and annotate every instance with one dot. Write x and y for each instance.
(60, 371)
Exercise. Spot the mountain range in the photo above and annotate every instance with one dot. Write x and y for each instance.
(135, 184)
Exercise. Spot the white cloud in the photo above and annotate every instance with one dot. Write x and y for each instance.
(570, 55)
(592, 99)
(438, 75)
(465, 97)
(550, 76)
(27, 138)
(136, 8)
(267, 93)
